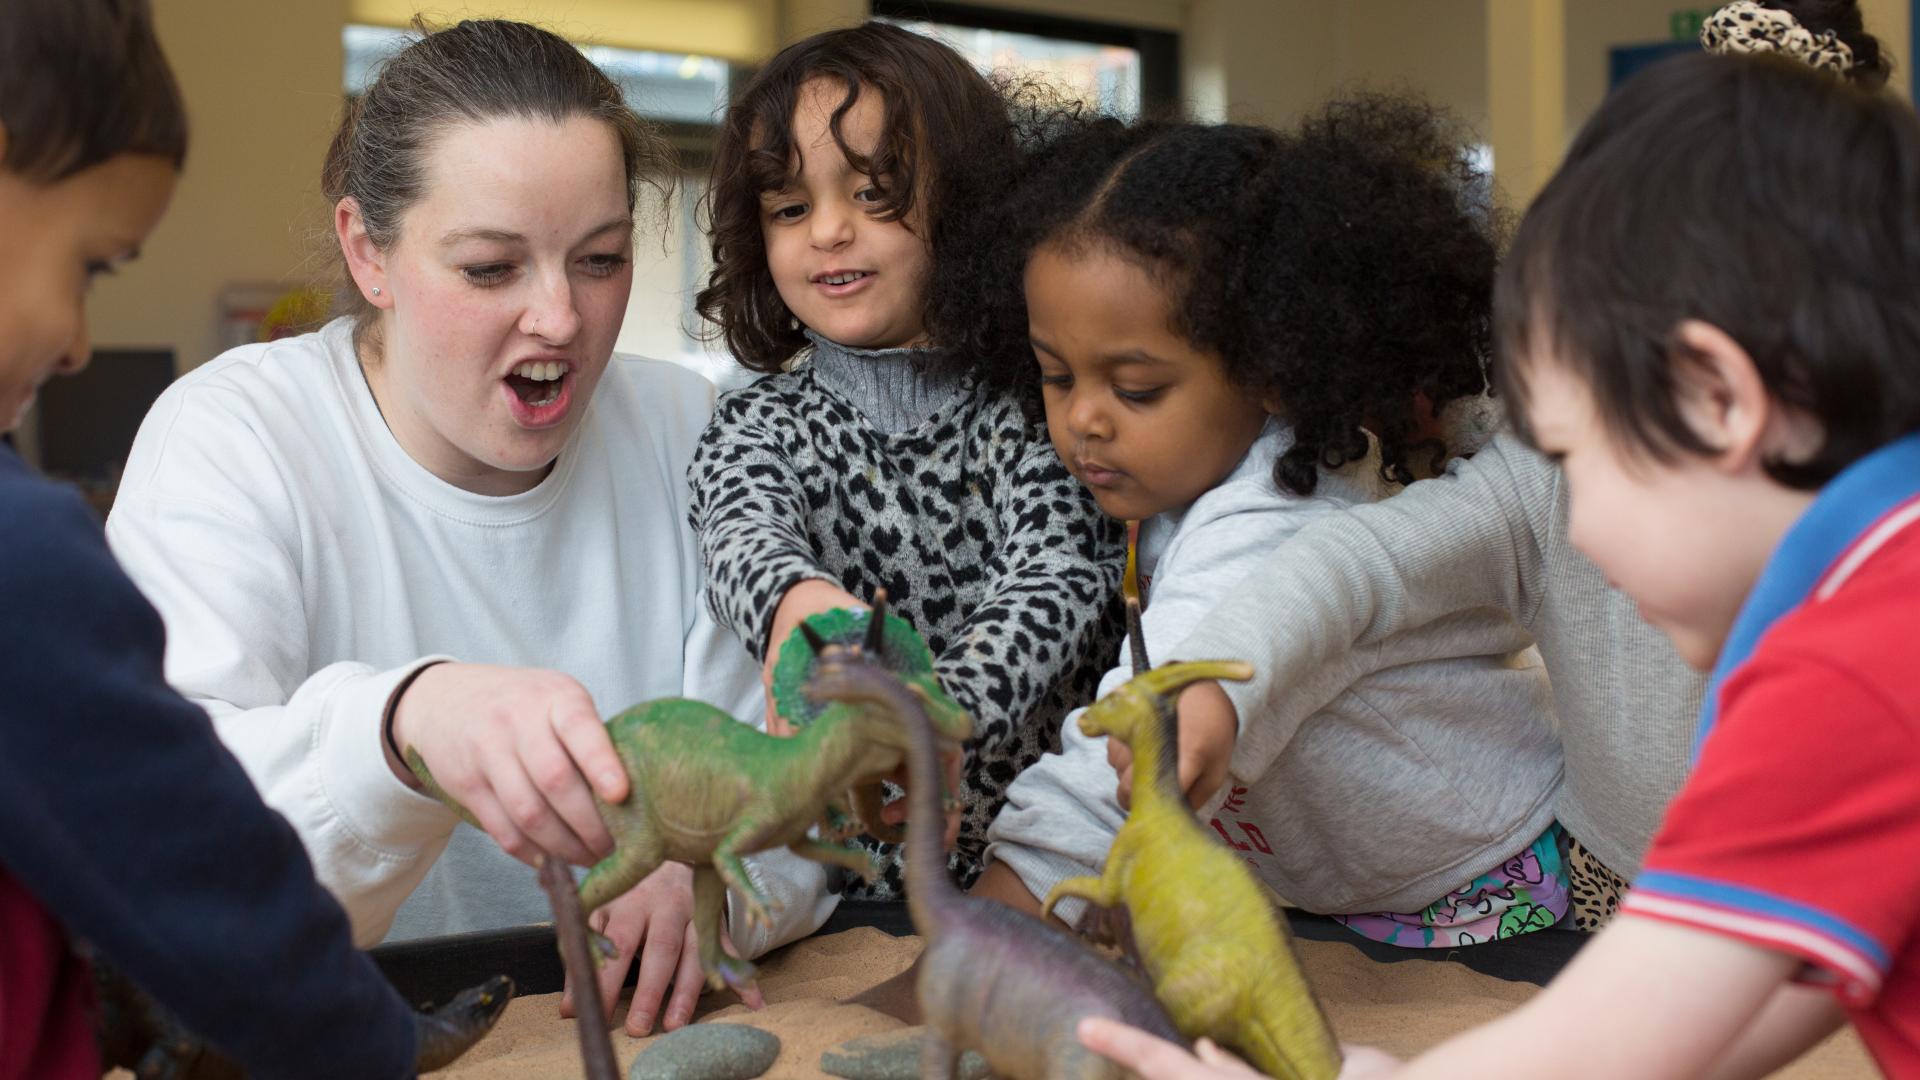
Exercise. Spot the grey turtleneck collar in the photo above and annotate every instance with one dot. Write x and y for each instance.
(895, 389)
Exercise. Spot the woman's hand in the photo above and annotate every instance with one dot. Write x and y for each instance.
(524, 750)
(652, 924)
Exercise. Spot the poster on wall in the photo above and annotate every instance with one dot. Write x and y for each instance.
(266, 311)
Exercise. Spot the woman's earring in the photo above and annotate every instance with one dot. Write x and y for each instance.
(376, 290)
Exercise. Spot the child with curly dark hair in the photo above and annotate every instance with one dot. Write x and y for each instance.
(871, 455)
(1235, 331)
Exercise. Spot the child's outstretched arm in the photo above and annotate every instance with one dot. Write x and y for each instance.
(1645, 999)
(1474, 538)
(1053, 581)
(1062, 812)
(749, 512)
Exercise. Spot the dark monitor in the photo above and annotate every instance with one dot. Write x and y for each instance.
(86, 422)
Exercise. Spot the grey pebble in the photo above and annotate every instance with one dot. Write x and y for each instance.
(707, 1052)
(892, 1056)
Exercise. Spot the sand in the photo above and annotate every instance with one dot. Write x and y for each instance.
(1401, 1007)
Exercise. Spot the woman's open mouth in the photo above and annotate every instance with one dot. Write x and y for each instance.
(539, 392)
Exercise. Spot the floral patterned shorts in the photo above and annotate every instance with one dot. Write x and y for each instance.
(1526, 893)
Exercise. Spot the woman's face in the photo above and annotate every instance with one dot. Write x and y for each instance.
(59, 237)
(500, 297)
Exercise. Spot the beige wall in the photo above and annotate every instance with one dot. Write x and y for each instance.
(262, 84)
(1597, 27)
(1269, 60)
(262, 80)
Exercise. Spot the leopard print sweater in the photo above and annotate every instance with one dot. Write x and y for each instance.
(964, 514)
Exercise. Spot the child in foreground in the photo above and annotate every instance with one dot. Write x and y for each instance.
(123, 820)
(1708, 319)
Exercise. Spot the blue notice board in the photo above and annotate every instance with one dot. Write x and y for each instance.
(1624, 60)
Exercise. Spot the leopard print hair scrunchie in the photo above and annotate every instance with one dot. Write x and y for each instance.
(1747, 27)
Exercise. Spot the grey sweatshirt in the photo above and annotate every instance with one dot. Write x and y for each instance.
(1421, 760)
(1492, 533)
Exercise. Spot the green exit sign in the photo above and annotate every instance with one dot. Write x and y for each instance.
(1685, 23)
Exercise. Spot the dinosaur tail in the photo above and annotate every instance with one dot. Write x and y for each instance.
(1287, 1056)
(1287, 1030)
(929, 890)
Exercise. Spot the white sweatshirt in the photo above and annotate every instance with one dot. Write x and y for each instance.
(1425, 759)
(305, 564)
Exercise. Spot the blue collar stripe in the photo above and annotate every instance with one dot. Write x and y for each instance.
(1867, 491)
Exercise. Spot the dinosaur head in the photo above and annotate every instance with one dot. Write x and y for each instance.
(1119, 713)
(843, 635)
(860, 673)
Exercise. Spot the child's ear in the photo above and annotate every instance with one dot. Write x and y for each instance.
(1720, 394)
(365, 261)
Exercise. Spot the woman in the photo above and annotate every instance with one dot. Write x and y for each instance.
(452, 521)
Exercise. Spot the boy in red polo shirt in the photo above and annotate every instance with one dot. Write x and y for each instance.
(1711, 319)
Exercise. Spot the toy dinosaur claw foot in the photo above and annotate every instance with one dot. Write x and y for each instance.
(732, 973)
(759, 916)
(443, 1034)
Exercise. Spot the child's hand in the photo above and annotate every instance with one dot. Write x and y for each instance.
(1366, 1063)
(802, 601)
(522, 749)
(1209, 726)
(952, 760)
(1154, 1058)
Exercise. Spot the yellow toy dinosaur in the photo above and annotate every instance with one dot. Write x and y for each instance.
(1219, 955)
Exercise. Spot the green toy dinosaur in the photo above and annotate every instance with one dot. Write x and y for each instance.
(708, 789)
(847, 633)
(1220, 957)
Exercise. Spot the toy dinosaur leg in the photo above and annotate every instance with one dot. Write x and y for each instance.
(855, 859)
(1096, 890)
(709, 904)
(747, 835)
(939, 1059)
(638, 852)
(837, 820)
(868, 799)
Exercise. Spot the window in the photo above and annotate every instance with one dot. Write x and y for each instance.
(1117, 69)
(668, 87)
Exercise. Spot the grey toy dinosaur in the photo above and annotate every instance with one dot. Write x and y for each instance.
(992, 980)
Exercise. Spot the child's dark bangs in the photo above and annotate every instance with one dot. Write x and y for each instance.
(890, 166)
